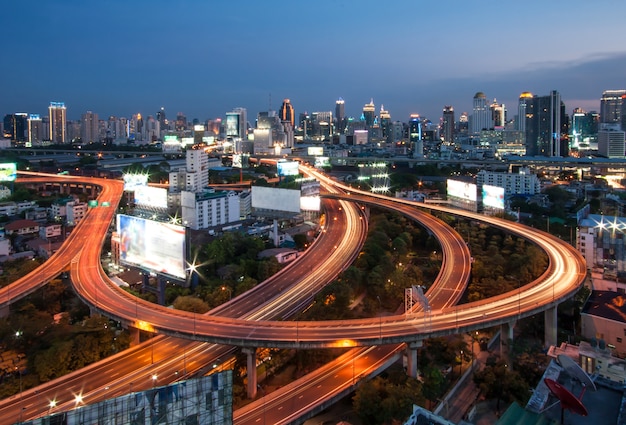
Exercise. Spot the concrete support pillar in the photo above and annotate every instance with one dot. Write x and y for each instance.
(251, 372)
(506, 337)
(134, 336)
(550, 335)
(411, 355)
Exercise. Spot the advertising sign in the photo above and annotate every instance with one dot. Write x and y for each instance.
(152, 245)
(493, 196)
(8, 172)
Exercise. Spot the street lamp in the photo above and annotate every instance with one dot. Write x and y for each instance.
(154, 379)
(230, 294)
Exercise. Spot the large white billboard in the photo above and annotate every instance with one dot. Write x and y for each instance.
(310, 196)
(315, 151)
(462, 190)
(148, 196)
(493, 196)
(274, 199)
(288, 168)
(152, 245)
(133, 180)
(8, 171)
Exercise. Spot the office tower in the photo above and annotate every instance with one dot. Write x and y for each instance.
(181, 122)
(152, 129)
(237, 124)
(623, 113)
(415, 136)
(136, 127)
(89, 127)
(369, 111)
(498, 114)
(286, 113)
(524, 107)
(611, 106)
(385, 124)
(160, 116)
(447, 124)
(611, 141)
(35, 129)
(57, 114)
(480, 119)
(463, 128)
(340, 116)
(546, 125)
(16, 126)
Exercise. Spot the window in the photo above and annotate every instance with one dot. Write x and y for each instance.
(619, 340)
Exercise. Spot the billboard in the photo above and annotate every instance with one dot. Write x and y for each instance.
(322, 161)
(310, 196)
(273, 199)
(148, 196)
(315, 151)
(493, 196)
(462, 190)
(8, 172)
(152, 245)
(241, 160)
(131, 181)
(288, 168)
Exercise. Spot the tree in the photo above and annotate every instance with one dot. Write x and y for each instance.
(191, 303)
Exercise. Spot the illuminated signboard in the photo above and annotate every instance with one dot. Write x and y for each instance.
(170, 138)
(8, 172)
(288, 168)
(493, 196)
(198, 127)
(131, 181)
(149, 196)
(462, 190)
(152, 245)
(322, 161)
(315, 150)
(310, 196)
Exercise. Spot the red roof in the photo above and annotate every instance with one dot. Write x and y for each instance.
(20, 224)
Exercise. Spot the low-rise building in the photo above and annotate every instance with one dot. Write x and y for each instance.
(209, 208)
(603, 318)
(22, 227)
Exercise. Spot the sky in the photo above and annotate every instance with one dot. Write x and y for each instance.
(203, 58)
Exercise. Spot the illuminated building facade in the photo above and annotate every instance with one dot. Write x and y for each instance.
(369, 113)
(524, 110)
(385, 125)
(15, 127)
(286, 112)
(498, 114)
(237, 124)
(57, 113)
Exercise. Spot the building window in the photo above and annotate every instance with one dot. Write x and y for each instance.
(619, 340)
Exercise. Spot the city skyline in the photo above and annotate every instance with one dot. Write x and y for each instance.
(205, 59)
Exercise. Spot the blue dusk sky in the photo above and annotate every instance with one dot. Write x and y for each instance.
(205, 57)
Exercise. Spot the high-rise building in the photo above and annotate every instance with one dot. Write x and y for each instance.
(463, 127)
(58, 117)
(286, 112)
(385, 124)
(480, 118)
(523, 109)
(447, 124)
(340, 116)
(415, 136)
(369, 113)
(35, 128)
(237, 124)
(181, 122)
(546, 127)
(16, 126)
(160, 116)
(89, 127)
(611, 141)
(611, 106)
(498, 114)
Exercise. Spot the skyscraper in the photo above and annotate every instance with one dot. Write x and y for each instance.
(523, 109)
(385, 124)
(447, 124)
(480, 118)
(286, 112)
(35, 128)
(415, 136)
(15, 126)
(340, 115)
(89, 127)
(237, 124)
(611, 106)
(498, 114)
(546, 126)
(58, 117)
(369, 112)
(160, 116)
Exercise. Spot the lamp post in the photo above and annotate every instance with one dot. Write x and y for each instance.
(230, 294)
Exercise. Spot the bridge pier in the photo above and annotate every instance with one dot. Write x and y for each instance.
(550, 323)
(251, 371)
(506, 337)
(411, 355)
(135, 335)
